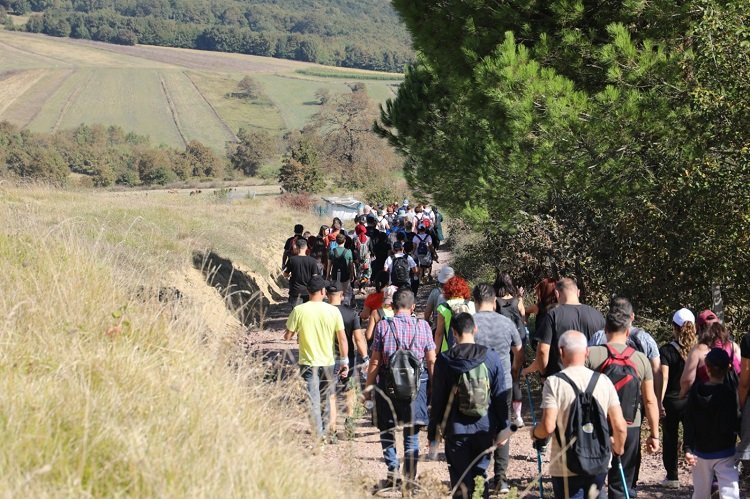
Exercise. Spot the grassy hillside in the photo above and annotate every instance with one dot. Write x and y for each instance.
(172, 95)
(121, 371)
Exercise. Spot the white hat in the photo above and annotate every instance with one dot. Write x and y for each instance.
(445, 274)
(682, 316)
(406, 202)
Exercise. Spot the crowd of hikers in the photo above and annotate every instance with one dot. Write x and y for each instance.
(458, 368)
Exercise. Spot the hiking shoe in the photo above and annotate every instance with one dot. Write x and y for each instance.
(503, 487)
(331, 438)
(518, 421)
(670, 484)
(392, 482)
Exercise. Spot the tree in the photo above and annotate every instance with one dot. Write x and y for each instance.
(622, 122)
(300, 171)
(255, 147)
(154, 167)
(201, 161)
(248, 88)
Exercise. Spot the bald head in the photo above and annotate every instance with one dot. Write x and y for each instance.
(573, 346)
(567, 291)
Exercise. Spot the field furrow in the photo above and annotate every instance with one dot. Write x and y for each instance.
(172, 110)
(24, 110)
(227, 129)
(70, 100)
(15, 85)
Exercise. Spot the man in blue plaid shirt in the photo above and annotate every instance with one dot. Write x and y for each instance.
(416, 335)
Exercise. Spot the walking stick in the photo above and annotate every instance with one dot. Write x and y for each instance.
(622, 476)
(538, 452)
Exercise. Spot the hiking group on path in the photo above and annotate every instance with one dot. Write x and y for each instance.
(457, 370)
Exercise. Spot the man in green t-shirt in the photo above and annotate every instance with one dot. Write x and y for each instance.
(317, 325)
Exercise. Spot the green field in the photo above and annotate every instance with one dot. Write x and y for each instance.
(171, 95)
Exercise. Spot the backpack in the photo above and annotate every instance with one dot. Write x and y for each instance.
(340, 264)
(448, 311)
(590, 453)
(634, 340)
(509, 309)
(400, 271)
(364, 251)
(422, 248)
(403, 370)
(621, 370)
(473, 391)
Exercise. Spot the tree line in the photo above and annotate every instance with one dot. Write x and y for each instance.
(607, 141)
(365, 35)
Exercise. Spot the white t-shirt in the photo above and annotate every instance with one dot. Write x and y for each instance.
(557, 393)
(389, 261)
(419, 238)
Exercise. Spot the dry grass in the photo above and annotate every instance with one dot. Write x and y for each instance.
(107, 391)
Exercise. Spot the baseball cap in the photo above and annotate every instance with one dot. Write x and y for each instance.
(316, 284)
(420, 226)
(445, 274)
(718, 357)
(388, 293)
(406, 202)
(334, 287)
(397, 246)
(682, 316)
(707, 317)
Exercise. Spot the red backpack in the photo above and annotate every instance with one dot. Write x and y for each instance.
(622, 371)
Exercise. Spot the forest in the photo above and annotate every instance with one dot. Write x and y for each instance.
(364, 34)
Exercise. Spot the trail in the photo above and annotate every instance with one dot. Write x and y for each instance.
(361, 457)
(172, 110)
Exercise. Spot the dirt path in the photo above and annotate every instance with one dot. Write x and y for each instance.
(360, 457)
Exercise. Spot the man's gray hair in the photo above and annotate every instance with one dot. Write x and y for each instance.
(573, 341)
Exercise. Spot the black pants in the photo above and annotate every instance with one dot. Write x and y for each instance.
(675, 409)
(631, 464)
(502, 453)
(460, 452)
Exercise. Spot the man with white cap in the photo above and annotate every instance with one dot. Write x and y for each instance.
(436, 296)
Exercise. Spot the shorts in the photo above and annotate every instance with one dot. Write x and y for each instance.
(425, 261)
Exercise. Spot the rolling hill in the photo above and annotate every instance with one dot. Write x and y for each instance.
(172, 95)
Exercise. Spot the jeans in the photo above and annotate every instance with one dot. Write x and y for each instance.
(502, 453)
(578, 487)
(631, 464)
(460, 452)
(675, 409)
(725, 472)
(411, 451)
(319, 383)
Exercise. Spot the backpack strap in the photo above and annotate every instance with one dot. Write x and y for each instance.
(394, 332)
(592, 383)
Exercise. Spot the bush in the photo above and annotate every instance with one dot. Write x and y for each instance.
(297, 201)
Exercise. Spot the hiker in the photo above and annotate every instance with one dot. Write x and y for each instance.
(380, 245)
(364, 257)
(341, 264)
(291, 243)
(437, 226)
(317, 325)
(672, 407)
(743, 448)
(568, 397)
(299, 270)
(385, 311)
(436, 296)
(469, 406)
(374, 300)
(401, 344)
(383, 223)
(497, 332)
(457, 299)
(401, 266)
(391, 218)
(545, 301)
(509, 303)
(630, 372)
(424, 252)
(356, 343)
(712, 423)
(570, 314)
(713, 336)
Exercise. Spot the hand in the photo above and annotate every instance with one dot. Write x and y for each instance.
(367, 395)
(652, 444)
(526, 371)
(540, 444)
(690, 458)
(662, 412)
(343, 371)
(521, 292)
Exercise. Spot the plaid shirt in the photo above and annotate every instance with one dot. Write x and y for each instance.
(407, 328)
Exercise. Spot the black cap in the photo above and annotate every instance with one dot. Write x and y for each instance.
(334, 287)
(398, 246)
(316, 284)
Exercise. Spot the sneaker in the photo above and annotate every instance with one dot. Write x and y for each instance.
(391, 482)
(670, 484)
(518, 421)
(504, 488)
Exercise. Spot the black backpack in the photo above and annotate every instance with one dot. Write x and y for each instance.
(403, 370)
(400, 271)
(509, 309)
(422, 248)
(623, 373)
(590, 453)
(340, 265)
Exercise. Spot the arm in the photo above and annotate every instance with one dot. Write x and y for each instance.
(288, 335)
(663, 388)
(372, 372)
(374, 318)
(744, 381)
(343, 350)
(658, 381)
(688, 374)
(546, 425)
(521, 307)
(651, 409)
(619, 429)
(365, 313)
(439, 331)
(360, 343)
(518, 360)
(541, 360)
(429, 361)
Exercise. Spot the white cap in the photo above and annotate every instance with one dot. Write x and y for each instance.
(406, 202)
(445, 274)
(682, 316)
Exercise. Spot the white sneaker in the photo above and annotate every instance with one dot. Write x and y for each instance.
(670, 484)
(518, 421)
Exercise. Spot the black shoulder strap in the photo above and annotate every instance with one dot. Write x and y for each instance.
(592, 383)
(394, 332)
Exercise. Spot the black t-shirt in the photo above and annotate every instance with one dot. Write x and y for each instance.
(745, 347)
(563, 318)
(670, 357)
(351, 324)
(302, 269)
(379, 244)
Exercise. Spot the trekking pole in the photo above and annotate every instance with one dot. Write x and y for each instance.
(538, 452)
(622, 476)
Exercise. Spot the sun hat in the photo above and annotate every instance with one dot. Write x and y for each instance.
(682, 316)
(445, 274)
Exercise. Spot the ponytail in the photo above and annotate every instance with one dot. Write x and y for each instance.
(687, 338)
